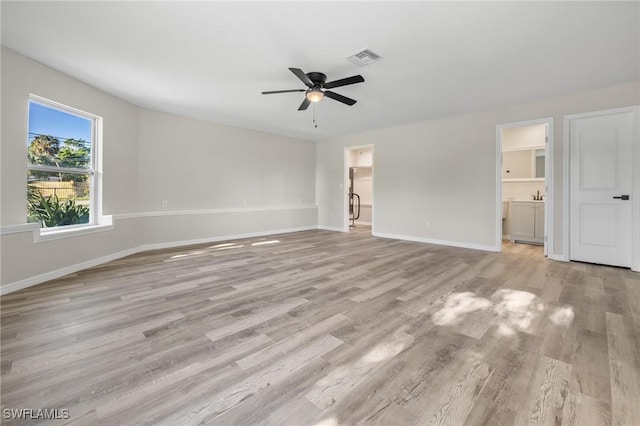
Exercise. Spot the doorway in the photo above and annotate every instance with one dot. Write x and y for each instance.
(359, 185)
(603, 153)
(524, 183)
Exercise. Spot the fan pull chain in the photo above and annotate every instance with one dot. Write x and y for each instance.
(315, 123)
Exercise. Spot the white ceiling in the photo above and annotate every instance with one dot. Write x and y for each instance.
(211, 60)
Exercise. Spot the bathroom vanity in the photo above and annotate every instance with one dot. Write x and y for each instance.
(526, 219)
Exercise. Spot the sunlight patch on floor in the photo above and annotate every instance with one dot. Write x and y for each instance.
(229, 247)
(384, 351)
(262, 243)
(505, 330)
(217, 247)
(562, 316)
(517, 309)
(193, 253)
(458, 304)
(514, 310)
(331, 421)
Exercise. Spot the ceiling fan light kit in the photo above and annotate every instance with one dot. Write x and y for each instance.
(317, 87)
(315, 94)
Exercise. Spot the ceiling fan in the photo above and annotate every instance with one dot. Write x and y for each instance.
(317, 87)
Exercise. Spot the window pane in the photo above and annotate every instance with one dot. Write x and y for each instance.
(57, 199)
(57, 138)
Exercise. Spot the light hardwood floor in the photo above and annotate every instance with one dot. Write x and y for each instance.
(322, 328)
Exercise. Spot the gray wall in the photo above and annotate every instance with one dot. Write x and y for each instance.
(444, 171)
(221, 181)
(198, 165)
(218, 181)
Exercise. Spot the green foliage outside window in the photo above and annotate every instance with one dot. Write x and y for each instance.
(47, 150)
(51, 211)
(53, 196)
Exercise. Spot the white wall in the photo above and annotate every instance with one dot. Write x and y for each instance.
(523, 137)
(21, 258)
(21, 77)
(521, 190)
(444, 171)
(219, 181)
(198, 165)
(441, 171)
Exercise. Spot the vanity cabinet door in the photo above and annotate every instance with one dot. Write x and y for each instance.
(522, 220)
(526, 219)
(539, 221)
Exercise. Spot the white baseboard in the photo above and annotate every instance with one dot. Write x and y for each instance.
(59, 273)
(558, 257)
(437, 242)
(363, 223)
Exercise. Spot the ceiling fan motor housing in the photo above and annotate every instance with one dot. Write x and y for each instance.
(317, 78)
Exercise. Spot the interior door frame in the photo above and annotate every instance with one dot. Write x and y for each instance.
(635, 181)
(548, 181)
(345, 185)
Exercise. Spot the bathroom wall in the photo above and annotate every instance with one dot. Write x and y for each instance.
(521, 190)
(362, 185)
(517, 146)
(523, 137)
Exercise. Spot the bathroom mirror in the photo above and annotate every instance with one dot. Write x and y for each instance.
(539, 163)
(523, 164)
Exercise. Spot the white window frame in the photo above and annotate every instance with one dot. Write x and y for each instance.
(94, 171)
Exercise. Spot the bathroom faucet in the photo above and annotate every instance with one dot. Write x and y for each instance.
(537, 196)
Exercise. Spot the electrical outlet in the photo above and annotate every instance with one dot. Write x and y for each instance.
(427, 224)
(165, 204)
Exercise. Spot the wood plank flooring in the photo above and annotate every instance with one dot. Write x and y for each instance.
(322, 328)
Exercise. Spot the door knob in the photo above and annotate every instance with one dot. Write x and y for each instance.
(621, 197)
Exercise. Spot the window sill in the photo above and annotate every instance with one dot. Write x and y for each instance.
(75, 231)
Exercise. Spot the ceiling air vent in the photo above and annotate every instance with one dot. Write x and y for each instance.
(364, 57)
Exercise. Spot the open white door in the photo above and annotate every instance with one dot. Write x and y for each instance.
(600, 187)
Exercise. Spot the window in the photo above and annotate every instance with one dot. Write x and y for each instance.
(61, 165)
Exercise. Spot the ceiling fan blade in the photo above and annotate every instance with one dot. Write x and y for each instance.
(302, 76)
(283, 91)
(304, 105)
(339, 98)
(344, 82)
